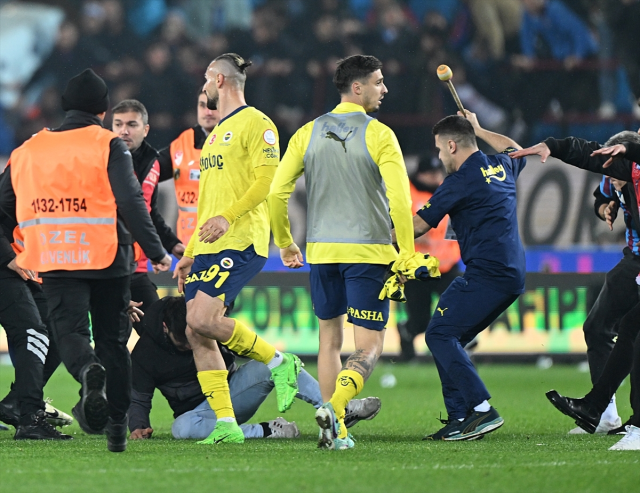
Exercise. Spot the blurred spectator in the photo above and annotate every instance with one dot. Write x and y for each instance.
(496, 22)
(67, 59)
(273, 56)
(550, 31)
(324, 49)
(376, 8)
(205, 17)
(393, 42)
(624, 18)
(145, 16)
(166, 93)
(446, 8)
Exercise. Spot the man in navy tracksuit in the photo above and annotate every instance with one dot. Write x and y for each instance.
(479, 194)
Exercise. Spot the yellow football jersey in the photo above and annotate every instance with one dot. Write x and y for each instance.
(239, 143)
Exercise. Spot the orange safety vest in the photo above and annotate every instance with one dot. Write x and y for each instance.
(186, 173)
(433, 242)
(18, 247)
(64, 203)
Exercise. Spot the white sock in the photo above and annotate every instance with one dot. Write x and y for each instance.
(275, 361)
(483, 407)
(227, 420)
(611, 412)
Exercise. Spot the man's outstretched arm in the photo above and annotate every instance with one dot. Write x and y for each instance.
(499, 142)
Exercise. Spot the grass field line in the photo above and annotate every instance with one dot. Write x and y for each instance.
(253, 469)
(580, 463)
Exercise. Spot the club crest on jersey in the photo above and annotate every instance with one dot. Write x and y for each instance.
(227, 137)
(178, 157)
(269, 137)
(226, 262)
(496, 172)
(212, 139)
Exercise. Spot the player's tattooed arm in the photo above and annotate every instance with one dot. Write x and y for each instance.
(362, 362)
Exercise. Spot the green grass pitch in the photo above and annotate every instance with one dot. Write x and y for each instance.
(530, 453)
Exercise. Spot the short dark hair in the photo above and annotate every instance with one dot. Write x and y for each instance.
(456, 128)
(127, 105)
(175, 317)
(353, 68)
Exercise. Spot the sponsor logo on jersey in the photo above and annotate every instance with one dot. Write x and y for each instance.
(212, 139)
(270, 152)
(269, 137)
(496, 172)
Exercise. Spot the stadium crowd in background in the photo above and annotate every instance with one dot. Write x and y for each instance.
(148, 49)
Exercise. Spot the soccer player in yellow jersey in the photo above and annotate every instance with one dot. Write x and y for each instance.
(237, 164)
(355, 177)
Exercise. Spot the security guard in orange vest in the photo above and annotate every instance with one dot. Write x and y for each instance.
(79, 206)
(181, 161)
(423, 184)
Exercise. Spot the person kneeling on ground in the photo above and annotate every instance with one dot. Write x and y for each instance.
(163, 359)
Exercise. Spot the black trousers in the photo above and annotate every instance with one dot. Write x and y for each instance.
(617, 297)
(624, 358)
(142, 289)
(28, 337)
(70, 301)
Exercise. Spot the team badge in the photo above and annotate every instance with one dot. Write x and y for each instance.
(212, 139)
(226, 262)
(178, 157)
(227, 137)
(269, 137)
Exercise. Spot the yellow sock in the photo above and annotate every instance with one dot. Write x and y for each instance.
(215, 388)
(247, 343)
(348, 385)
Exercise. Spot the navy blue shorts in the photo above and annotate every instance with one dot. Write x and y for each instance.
(222, 275)
(353, 289)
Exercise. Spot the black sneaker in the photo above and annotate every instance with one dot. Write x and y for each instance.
(39, 429)
(451, 427)
(117, 435)
(578, 409)
(10, 409)
(93, 410)
(82, 422)
(476, 425)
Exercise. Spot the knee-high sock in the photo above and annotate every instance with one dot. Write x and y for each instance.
(348, 385)
(247, 343)
(215, 388)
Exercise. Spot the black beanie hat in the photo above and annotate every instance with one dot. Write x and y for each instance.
(429, 162)
(86, 92)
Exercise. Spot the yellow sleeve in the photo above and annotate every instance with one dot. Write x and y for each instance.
(264, 153)
(188, 252)
(263, 142)
(385, 151)
(290, 169)
(255, 194)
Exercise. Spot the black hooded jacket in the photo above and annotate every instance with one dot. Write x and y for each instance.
(144, 158)
(157, 364)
